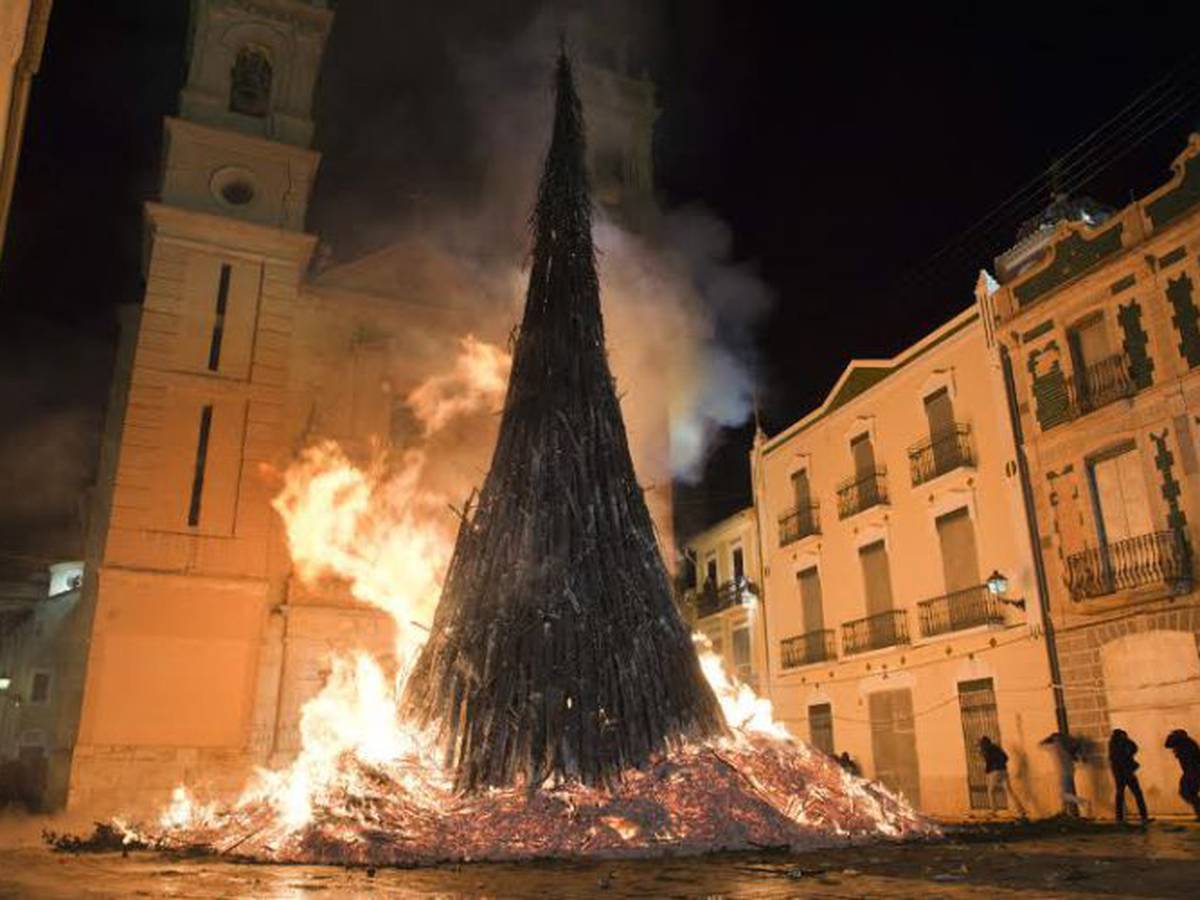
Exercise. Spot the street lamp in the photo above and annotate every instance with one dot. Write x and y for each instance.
(997, 584)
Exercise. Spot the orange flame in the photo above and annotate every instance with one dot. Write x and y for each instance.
(390, 539)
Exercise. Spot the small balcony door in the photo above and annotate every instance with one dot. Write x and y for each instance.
(738, 558)
(809, 582)
(863, 452)
(802, 500)
(939, 412)
(960, 558)
(1089, 345)
(1119, 493)
(877, 579)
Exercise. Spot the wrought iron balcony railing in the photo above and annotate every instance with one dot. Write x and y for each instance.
(862, 492)
(1162, 557)
(941, 453)
(958, 610)
(798, 523)
(1099, 384)
(887, 629)
(802, 649)
(712, 599)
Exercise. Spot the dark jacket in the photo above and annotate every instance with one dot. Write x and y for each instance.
(994, 758)
(1185, 749)
(1121, 752)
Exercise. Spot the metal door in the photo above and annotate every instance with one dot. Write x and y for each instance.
(977, 705)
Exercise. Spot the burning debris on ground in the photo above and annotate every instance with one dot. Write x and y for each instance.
(745, 793)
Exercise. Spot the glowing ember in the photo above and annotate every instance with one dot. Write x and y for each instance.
(367, 786)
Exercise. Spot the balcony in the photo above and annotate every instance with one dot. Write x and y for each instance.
(862, 492)
(1161, 558)
(799, 522)
(941, 453)
(1099, 384)
(958, 610)
(803, 649)
(711, 599)
(887, 629)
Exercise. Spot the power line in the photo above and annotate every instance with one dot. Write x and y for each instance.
(1150, 111)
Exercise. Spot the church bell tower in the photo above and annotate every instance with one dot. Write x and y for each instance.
(185, 554)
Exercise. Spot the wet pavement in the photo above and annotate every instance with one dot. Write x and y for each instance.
(1044, 860)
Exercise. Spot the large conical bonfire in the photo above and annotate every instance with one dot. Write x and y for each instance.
(557, 650)
(558, 707)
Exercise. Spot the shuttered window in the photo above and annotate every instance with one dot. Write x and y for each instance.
(800, 489)
(864, 456)
(1119, 489)
(960, 558)
(939, 412)
(877, 582)
(809, 582)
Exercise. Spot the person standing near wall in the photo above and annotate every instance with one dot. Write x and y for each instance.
(995, 768)
(1187, 752)
(1066, 749)
(1121, 753)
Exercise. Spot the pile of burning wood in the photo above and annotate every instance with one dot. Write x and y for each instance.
(745, 793)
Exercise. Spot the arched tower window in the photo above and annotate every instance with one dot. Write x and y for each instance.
(250, 82)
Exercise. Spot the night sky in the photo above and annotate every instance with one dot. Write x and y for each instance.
(843, 149)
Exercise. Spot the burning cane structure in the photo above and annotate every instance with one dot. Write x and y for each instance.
(557, 650)
(557, 674)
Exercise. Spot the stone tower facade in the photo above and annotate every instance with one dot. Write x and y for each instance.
(186, 561)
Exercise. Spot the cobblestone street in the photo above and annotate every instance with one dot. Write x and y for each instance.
(1043, 860)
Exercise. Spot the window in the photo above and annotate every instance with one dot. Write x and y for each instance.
(820, 727)
(1119, 495)
(39, 687)
(218, 330)
(800, 489)
(809, 582)
(863, 452)
(743, 665)
(711, 571)
(960, 560)
(1088, 342)
(939, 412)
(250, 83)
(193, 518)
(877, 581)
(977, 705)
(739, 565)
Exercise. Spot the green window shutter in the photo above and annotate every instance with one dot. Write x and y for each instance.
(1186, 318)
(1141, 366)
(1050, 394)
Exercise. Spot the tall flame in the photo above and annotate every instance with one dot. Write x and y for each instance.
(380, 530)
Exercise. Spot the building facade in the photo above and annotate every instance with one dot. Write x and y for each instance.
(883, 515)
(23, 25)
(36, 619)
(1098, 314)
(722, 600)
(194, 647)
